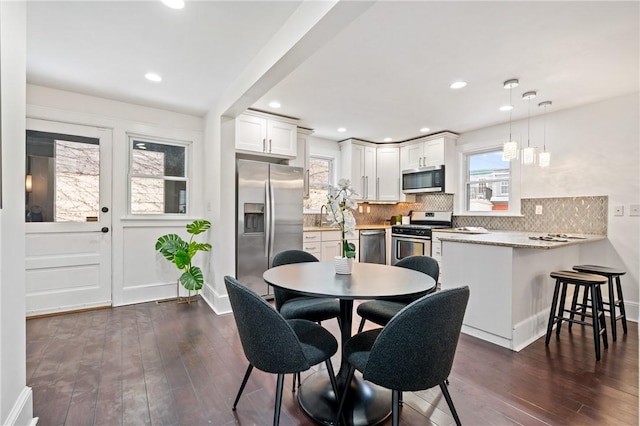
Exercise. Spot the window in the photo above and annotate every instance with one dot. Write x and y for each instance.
(488, 180)
(62, 181)
(158, 179)
(320, 182)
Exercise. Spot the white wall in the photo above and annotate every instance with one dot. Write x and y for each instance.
(595, 150)
(16, 404)
(139, 272)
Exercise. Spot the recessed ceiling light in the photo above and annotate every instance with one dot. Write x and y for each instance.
(506, 107)
(458, 84)
(387, 139)
(425, 129)
(174, 4)
(342, 129)
(152, 76)
(274, 104)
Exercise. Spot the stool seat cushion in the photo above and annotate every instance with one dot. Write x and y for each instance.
(600, 270)
(578, 277)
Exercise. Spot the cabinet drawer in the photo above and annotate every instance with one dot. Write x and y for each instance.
(312, 247)
(311, 237)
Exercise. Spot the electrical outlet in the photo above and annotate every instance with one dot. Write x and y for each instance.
(538, 209)
(618, 211)
(634, 210)
(368, 209)
(359, 209)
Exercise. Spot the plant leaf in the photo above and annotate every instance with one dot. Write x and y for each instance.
(169, 244)
(192, 279)
(198, 226)
(196, 247)
(182, 259)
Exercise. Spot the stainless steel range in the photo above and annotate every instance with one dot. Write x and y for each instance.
(415, 238)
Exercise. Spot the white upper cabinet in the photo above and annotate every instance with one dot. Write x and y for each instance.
(302, 158)
(422, 153)
(359, 165)
(388, 173)
(272, 136)
(374, 171)
(435, 150)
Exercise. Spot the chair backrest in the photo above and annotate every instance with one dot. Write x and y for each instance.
(285, 258)
(426, 265)
(268, 341)
(415, 349)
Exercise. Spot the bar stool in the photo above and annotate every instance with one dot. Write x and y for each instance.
(610, 273)
(590, 283)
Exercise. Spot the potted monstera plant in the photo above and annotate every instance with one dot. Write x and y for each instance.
(181, 253)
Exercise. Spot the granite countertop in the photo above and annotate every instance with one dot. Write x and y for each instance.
(517, 239)
(331, 228)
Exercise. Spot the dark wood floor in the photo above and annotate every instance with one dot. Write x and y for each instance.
(169, 364)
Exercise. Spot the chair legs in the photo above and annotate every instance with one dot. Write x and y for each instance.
(447, 397)
(278, 403)
(361, 325)
(350, 373)
(244, 383)
(395, 408)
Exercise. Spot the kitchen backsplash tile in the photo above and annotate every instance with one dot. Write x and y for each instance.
(573, 215)
(587, 215)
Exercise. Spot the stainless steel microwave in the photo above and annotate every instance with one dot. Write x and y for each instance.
(423, 179)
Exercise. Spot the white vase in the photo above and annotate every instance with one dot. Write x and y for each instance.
(343, 265)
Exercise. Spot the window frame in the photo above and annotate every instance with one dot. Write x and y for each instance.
(332, 177)
(462, 206)
(188, 149)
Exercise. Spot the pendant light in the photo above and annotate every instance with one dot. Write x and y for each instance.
(510, 148)
(545, 157)
(528, 153)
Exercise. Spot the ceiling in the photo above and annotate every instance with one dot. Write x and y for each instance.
(385, 74)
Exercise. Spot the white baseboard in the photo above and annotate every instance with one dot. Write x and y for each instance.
(22, 411)
(218, 302)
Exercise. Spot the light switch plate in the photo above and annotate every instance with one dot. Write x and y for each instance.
(538, 209)
(634, 210)
(618, 211)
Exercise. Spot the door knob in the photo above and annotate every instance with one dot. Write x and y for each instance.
(105, 209)
(105, 229)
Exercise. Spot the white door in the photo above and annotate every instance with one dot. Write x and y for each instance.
(68, 215)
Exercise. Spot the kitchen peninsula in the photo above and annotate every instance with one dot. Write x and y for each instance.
(508, 276)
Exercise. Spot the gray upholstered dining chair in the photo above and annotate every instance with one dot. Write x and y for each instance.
(381, 311)
(414, 351)
(293, 305)
(274, 344)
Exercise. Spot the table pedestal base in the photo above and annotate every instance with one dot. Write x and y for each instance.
(366, 404)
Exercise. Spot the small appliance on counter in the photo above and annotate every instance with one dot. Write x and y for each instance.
(415, 238)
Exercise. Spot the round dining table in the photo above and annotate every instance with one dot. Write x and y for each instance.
(366, 403)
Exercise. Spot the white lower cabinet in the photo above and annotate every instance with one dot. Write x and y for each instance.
(325, 245)
(312, 243)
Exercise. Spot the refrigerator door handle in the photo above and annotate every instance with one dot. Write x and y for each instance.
(267, 222)
(272, 225)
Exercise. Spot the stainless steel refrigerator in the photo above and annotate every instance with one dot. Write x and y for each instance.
(269, 210)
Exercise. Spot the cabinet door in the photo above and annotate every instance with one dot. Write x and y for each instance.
(282, 138)
(434, 152)
(251, 133)
(357, 171)
(411, 156)
(330, 249)
(302, 160)
(388, 179)
(370, 173)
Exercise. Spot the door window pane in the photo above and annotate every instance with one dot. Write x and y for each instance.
(158, 178)
(62, 182)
